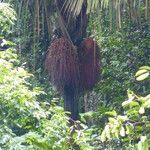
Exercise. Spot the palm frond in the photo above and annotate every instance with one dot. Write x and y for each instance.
(131, 7)
(73, 6)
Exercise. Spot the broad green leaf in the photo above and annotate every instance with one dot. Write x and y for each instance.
(142, 110)
(116, 133)
(127, 129)
(112, 120)
(140, 146)
(140, 72)
(141, 75)
(115, 128)
(122, 131)
(122, 118)
(111, 113)
(126, 103)
(145, 67)
(143, 143)
(107, 131)
(103, 136)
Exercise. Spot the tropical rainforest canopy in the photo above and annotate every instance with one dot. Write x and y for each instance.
(74, 74)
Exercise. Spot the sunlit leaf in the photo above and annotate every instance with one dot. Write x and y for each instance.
(122, 118)
(140, 72)
(141, 110)
(141, 75)
(103, 136)
(111, 113)
(122, 131)
(145, 68)
(107, 131)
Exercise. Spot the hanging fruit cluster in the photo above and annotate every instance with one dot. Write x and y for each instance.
(89, 64)
(66, 67)
(62, 64)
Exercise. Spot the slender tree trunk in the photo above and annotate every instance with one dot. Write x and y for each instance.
(71, 101)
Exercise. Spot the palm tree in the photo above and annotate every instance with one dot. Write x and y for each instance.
(73, 28)
(40, 17)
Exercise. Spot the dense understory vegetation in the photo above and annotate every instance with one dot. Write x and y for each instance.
(31, 112)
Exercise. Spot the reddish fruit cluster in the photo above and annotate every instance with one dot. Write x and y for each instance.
(89, 63)
(67, 68)
(62, 64)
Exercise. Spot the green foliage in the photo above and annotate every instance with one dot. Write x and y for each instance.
(7, 17)
(18, 106)
(14, 88)
(122, 56)
(143, 73)
(130, 130)
(122, 53)
(30, 124)
(27, 121)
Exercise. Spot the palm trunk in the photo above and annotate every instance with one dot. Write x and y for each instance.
(74, 28)
(71, 101)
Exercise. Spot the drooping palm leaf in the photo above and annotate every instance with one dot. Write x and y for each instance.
(131, 7)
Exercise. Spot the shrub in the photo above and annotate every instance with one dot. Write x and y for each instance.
(131, 129)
